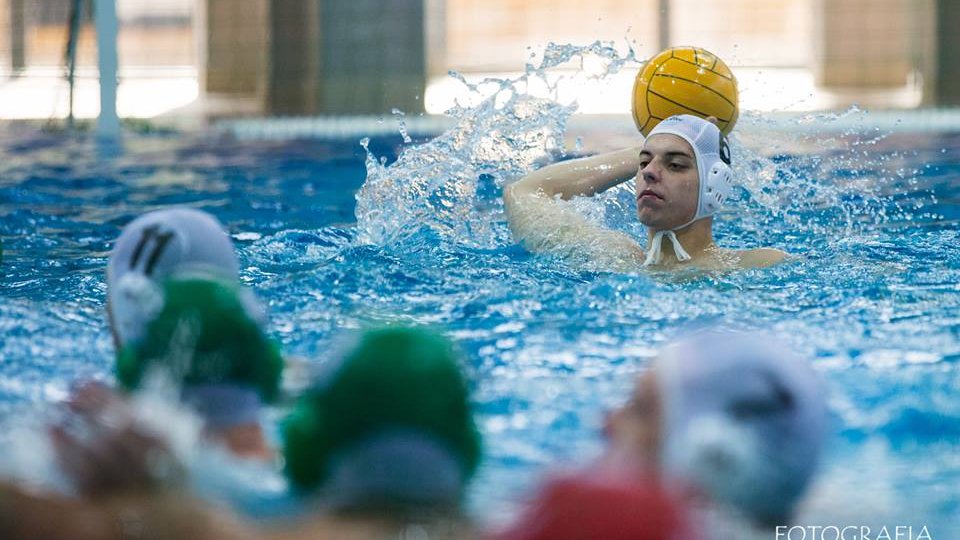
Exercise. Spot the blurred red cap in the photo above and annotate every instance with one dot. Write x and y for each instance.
(582, 508)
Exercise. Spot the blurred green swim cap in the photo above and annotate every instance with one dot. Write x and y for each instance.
(391, 379)
(204, 334)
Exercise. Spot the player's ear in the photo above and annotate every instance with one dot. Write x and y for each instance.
(713, 120)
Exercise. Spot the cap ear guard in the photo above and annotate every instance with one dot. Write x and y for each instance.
(135, 301)
(718, 187)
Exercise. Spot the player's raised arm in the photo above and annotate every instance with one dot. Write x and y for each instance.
(544, 225)
(578, 177)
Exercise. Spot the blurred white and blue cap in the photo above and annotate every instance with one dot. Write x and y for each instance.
(175, 242)
(744, 420)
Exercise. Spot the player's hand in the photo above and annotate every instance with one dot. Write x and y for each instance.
(106, 451)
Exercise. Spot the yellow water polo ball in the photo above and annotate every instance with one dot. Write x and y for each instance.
(685, 80)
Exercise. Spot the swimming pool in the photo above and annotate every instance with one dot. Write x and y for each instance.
(873, 297)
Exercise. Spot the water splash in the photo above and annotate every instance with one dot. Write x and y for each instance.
(402, 125)
(802, 173)
(440, 184)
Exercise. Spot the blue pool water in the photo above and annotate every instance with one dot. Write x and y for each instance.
(872, 298)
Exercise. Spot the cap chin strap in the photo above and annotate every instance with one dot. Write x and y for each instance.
(655, 253)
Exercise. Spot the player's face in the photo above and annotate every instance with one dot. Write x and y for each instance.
(667, 182)
(633, 431)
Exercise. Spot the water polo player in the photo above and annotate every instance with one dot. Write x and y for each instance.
(737, 417)
(190, 248)
(386, 435)
(207, 340)
(683, 177)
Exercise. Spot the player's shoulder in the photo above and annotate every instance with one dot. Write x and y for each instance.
(760, 257)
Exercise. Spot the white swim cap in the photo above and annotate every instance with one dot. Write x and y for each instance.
(179, 242)
(743, 421)
(712, 153)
